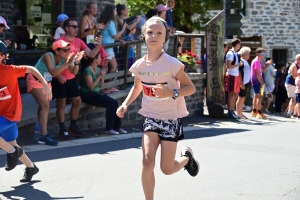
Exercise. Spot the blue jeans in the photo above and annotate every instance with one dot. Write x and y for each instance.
(111, 105)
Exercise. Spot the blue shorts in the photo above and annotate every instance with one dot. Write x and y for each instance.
(8, 129)
(256, 88)
(298, 97)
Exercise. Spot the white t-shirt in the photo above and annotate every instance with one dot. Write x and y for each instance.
(59, 32)
(247, 71)
(229, 56)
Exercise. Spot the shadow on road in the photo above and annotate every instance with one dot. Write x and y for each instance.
(27, 191)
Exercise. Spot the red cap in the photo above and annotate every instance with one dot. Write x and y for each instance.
(59, 44)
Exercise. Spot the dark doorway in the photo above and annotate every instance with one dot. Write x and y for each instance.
(279, 56)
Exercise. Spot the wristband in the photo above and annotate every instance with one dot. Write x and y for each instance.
(175, 94)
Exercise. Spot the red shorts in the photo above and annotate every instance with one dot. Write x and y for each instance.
(233, 83)
(33, 83)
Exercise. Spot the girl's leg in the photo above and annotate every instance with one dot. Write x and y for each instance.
(113, 64)
(298, 106)
(150, 142)
(24, 159)
(168, 164)
(239, 106)
(5, 145)
(43, 109)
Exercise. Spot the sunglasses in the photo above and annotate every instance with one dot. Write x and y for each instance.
(74, 26)
(65, 50)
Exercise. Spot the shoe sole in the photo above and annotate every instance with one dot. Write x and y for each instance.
(191, 151)
(25, 181)
(63, 138)
(75, 134)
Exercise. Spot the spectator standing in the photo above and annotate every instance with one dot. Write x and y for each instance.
(297, 91)
(65, 84)
(245, 74)
(4, 26)
(161, 11)
(90, 91)
(122, 14)
(170, 4)
(162, 106)
(11, 111)
(143, 19)
(49, 65)
(59, 32)
(110, 34)
(280, 91)
(269, 76)
(130, 37)
(290, 84)
(233, 78)
(257, 82)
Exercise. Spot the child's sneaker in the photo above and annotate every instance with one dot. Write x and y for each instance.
(293, 116)
(13, 158)
(63, 134)
(28, 173)
(75, 131)
(192, 166)
(122, 131)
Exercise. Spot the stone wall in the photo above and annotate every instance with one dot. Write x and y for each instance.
(277, 21)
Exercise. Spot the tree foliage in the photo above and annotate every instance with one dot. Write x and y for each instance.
(188, 15)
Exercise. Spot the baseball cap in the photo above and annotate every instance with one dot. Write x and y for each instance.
(3, 48)
(3, 21)
(59, 44)
(161, 7)
(61, 18)
(151, 13)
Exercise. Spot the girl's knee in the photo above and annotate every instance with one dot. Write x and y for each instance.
(167, 169)
(148, 164)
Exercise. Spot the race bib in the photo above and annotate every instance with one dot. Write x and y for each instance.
(90, 39)
(149, 94)
(4, 93)
(48, 77)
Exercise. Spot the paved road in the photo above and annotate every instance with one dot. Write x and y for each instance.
(250, 160)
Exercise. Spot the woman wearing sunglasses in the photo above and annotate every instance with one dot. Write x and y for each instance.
(49, 65)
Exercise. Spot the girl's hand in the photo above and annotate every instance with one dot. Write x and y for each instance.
(124, 26)
(121, 111)
(103, 71)
(100, 26)
(78, 56)
(70, 58)
(47, 92)
(98, 40)
(122, 41)
(161, 91)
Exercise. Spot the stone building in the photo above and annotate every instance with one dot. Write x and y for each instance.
(277, 22)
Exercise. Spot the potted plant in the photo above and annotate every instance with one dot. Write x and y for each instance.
(190, 61)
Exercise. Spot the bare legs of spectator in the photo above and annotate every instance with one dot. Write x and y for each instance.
(239, 106)
(257, 102)
(181, 41)
(43, 109)
(113, 68)
(60, 111)
(168, 164)
(291, 106)
(231, 100)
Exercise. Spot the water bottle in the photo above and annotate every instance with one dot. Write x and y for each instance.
(37, 131)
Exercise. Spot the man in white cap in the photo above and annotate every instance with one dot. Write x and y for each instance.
(3, 25)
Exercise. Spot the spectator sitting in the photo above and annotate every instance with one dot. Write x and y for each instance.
(91, 94)
(49, 65)
(109, 35)
(65, 84)
(130, 37)
(60, 21)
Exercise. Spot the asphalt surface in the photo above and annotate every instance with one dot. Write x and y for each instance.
(251, 160)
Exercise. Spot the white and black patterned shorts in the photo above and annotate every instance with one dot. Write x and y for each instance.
(170, 130)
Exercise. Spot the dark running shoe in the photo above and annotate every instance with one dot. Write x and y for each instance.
(48, 140)
(28, 173)
(13, 158)
(63, 134)
(75, 131)
(192, 166)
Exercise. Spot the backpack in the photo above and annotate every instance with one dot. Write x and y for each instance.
(286, 70)
(234, 57)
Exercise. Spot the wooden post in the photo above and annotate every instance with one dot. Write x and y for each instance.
(215, 90)
(193, 45)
